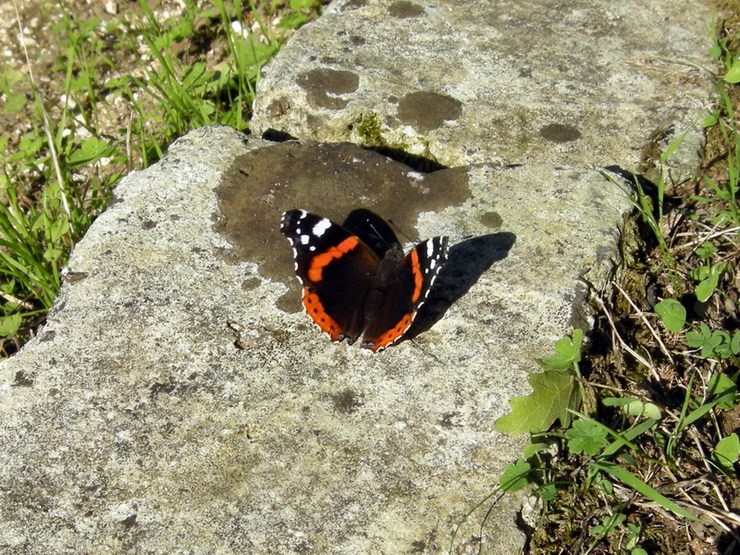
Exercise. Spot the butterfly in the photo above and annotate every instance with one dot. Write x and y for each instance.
(356, 279)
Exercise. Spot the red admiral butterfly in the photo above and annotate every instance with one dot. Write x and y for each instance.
(356, 279)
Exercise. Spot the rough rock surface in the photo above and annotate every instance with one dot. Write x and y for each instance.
(178, 398)
(471, 81)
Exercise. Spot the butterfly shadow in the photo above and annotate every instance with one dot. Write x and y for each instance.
(466, 263)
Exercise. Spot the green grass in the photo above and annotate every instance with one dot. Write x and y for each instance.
(118, 113)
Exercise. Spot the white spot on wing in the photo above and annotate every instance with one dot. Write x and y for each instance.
(321, 226)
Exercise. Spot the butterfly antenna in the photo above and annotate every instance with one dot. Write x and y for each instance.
(379, 234)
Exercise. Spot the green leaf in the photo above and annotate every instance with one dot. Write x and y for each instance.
(726, 454)
(701, 273)
(723, 400)
(641, 487)
(603, 484)
(515, 476)
(638, 408)
(59, 228)
(696, 339)
(585, 436)
(9, 325)
(624, 439)
(552, 394)
(15, 103)
(633, 407)
(733, 73)
(672, 313)
(735, 343)
(548, 492)
(52, 255)
(91, 150)
(608, 525)
(717, 344)
(706, 250)
(633, 535)
(534, 448)
(709, 121)
(297, 5)
(568, 353)
(720, 384)
(705, 289)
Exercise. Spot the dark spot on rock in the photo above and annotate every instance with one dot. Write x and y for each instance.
(48, 336)
(21, 380)
(357, 40)
(355, 4)
(558, 133)
(114, 199)
(128, 522)
(276, 136)
(447, 419)
(281, 336)
(404, 9)
(71, 277)
(250, 283)
(149, 224)
(166, 388)
(278, 107)
(324, 87)
(427, 110)
(347, 401)
(491, 220)
(419, 546)
(55, 392)
(331, 180)
(287, 301)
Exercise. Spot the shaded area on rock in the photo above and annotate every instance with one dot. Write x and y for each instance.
(330, 180)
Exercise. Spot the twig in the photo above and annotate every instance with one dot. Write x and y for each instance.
(641, 314)
(623, 344)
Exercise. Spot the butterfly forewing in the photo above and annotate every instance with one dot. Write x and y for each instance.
(336, 270)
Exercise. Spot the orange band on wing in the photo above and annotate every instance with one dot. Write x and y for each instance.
(321, 261)
(418, 275)
(392, 335)
(316, 311)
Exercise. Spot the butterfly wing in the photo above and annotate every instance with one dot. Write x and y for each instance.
(336, 269)
(390, 311)
(372, 229)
